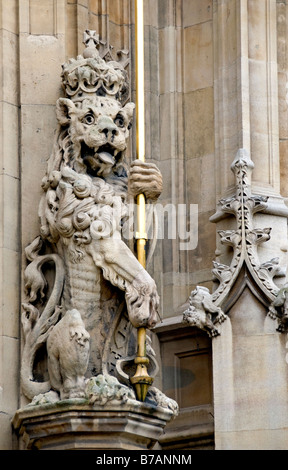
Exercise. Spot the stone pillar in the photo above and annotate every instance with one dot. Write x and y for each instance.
(263, 86)
(282, 16)
(9, 219)
(246, 91)
(231, 85)
(249, 368)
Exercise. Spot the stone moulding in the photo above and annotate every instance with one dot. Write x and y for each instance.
(72, 424)
(210, 309)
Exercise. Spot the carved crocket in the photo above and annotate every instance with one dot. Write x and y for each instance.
(86, 192)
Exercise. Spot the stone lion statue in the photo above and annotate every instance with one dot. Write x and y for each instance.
(86, 191)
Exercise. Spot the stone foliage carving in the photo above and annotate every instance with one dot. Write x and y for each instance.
(105, 388)
(244, 240)
(100, 290)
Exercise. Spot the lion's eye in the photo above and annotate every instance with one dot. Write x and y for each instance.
(89, 119)
(119, 121)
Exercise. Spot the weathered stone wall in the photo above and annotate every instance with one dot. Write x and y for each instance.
(183, 141)
(10, 231)
(216, 81)
(282, 51)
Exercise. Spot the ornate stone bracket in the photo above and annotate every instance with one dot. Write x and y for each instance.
(78, 425)
(244, 240)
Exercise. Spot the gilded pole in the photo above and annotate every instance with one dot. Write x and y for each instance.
(141, 380)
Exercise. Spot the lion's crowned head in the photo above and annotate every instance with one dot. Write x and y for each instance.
(94, 122)
(98, 128)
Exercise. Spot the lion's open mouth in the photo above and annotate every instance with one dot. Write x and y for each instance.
(100, 161)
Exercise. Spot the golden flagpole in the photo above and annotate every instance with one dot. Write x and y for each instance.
(141, 380)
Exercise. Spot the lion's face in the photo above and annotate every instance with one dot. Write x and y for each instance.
(98, 129)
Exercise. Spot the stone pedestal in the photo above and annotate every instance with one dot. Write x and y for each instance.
(72, 424)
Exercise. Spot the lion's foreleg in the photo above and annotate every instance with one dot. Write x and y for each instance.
(123, 270)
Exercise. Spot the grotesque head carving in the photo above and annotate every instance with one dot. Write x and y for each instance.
(94, 120)
(98, 129)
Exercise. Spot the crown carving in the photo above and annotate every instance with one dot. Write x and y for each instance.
(90, 74)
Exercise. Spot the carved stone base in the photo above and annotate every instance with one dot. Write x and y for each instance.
(71, 425)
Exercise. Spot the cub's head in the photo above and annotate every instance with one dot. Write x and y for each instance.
(98, 128)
